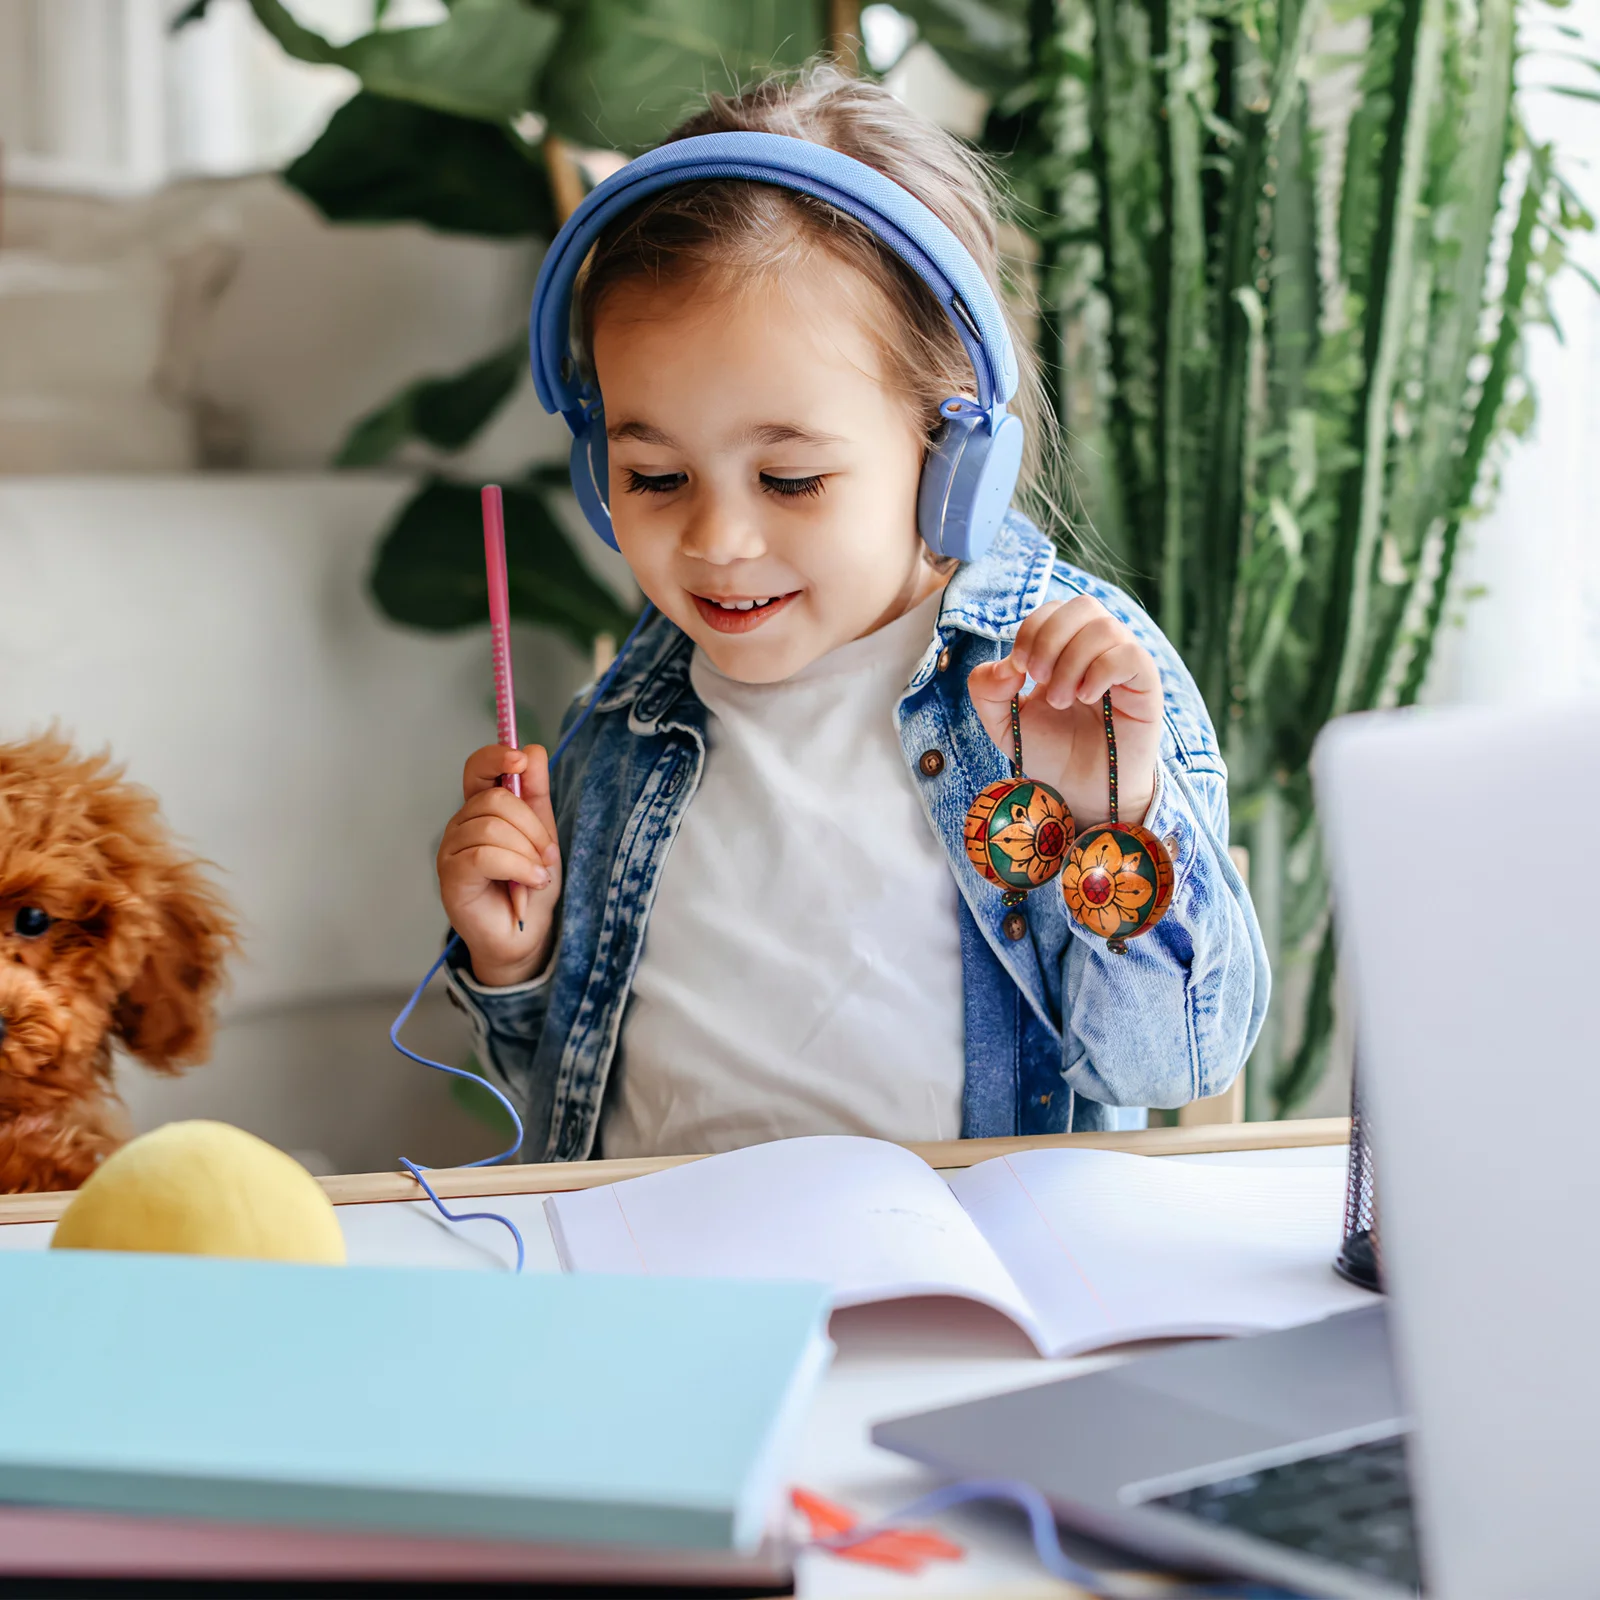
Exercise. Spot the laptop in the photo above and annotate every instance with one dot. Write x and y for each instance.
(1444, 1440)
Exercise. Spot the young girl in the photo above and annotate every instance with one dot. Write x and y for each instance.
(750, 911)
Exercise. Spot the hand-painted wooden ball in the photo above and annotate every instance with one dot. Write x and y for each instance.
(1018, 832)
(1117, 881)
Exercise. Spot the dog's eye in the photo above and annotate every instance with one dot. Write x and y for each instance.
(31, 922)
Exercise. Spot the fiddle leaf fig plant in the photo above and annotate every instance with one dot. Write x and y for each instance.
(430, 571)
(384, 160)
(479, 62)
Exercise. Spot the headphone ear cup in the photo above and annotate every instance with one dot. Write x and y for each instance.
(967, 483)
(591, 477)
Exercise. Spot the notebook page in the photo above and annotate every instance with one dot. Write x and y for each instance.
(1110, 1247)
(871, 1219)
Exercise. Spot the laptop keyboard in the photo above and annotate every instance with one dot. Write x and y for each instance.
(1351, 1507)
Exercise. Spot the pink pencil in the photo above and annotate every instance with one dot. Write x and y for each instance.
(505, 699)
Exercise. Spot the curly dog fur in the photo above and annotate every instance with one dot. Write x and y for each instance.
(108, 932)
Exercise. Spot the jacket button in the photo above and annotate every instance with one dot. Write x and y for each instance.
(944, 659)
(931, 763)
(1014, 926)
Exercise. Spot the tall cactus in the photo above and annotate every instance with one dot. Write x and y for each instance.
(1301, 346)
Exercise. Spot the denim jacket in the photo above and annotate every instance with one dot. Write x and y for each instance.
(1058, 1030)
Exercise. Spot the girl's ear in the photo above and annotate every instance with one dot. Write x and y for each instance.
(165, 1015)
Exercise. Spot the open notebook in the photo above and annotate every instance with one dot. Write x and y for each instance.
(1080, 1248)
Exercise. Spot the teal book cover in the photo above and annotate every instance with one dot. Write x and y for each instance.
(650, 1411)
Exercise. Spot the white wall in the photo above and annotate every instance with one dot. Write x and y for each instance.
(1528, 628)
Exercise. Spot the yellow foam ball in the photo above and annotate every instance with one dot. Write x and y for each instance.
(205, 1189)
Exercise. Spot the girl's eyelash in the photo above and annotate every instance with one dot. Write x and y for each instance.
(666, 482)
(792, 486)
(663, 483)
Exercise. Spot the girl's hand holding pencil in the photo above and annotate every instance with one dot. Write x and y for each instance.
(497, 839)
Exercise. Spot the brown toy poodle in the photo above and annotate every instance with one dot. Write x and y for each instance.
(108, 932)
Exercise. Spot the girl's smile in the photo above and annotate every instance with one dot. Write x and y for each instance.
(741, 616)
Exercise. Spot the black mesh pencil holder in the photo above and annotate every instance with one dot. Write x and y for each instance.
(1360, 1259)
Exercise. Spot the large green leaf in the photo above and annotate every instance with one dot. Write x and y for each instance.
(479, 62)
(624, 71)
(382, 160)
(984, 41)
(429, 569)
(445, 412)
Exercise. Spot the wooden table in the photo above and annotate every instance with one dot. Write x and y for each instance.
(892, 1359)
(556, 1177)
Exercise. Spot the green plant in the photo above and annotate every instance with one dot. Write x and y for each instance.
(462, 125)
(1284, 337)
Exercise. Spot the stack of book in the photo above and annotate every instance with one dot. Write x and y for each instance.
(173, 1425)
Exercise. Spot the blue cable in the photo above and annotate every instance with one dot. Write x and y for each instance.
(471, 1077)
(400, 1021)
(1046, 1544)
(466, 1216)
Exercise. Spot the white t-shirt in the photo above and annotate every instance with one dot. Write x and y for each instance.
(801, 971)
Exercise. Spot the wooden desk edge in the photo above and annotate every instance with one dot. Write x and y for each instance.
(366, 1188)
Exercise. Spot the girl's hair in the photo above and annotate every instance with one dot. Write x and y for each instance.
(732, 230)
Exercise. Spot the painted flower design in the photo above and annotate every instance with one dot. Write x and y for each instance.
(1103, 886)
(1034, 836)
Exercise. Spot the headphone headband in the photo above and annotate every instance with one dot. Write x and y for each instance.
(973, 460)
(892, 213)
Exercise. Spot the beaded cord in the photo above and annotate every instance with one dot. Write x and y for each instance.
(1111, 747)
(1117, 947)
(1015, 897)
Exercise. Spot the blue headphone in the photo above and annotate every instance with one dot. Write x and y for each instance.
(972, 469)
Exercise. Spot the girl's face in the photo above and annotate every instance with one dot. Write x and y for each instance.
(763, 479)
